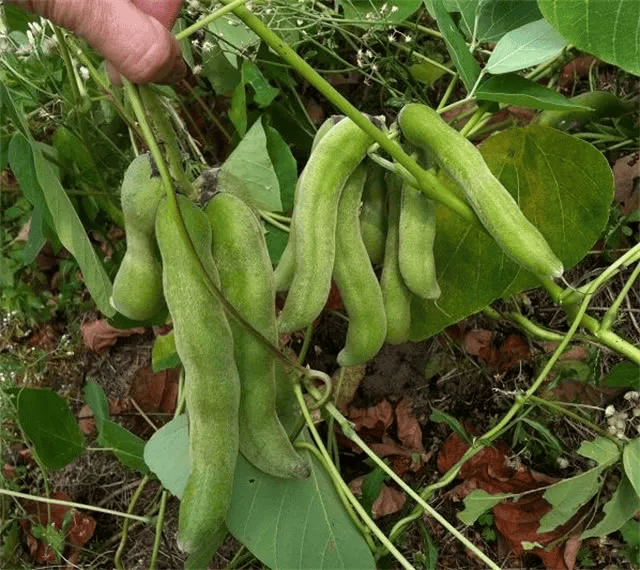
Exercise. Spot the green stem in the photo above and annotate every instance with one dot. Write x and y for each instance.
(208, 19)
(337, 480)
(486, 439)
(348, 431)
(158, 533)
(528, 326)
(270, 219)
(167, 135)
(73, 505)
(68, 64)
(125, 526)
(612, 313)
(576, 417)
(278, 45)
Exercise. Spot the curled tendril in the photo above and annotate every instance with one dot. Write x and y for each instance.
(311, 374)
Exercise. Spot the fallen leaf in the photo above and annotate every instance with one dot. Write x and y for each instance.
(99, 335)
(516, 521)
(388, 501)
(576, 69)
(378, 418)
(154, 390)
(86, 420)
(627, 180)
(409, 430)
(79, 529)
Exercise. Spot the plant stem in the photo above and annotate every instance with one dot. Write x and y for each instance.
(202, 22)
(612, 313)
(158, 533)
(278, 45)
(73, 505)
(337, 479)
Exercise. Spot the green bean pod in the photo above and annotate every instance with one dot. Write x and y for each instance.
(212, 385)
(137, 287)
(285, 269)
(395, 293)
(314, 221)
(599, 104)
(416, 235)
(356, 280)
(246, 275)
(373, 214)
(496, 209)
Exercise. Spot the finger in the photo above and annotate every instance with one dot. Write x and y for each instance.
(165, 11)
(136, 44)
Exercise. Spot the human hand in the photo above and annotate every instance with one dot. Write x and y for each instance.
(132, 35)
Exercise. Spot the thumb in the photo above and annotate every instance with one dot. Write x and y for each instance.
(135, 44)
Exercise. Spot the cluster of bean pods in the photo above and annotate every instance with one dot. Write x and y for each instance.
(229, 375)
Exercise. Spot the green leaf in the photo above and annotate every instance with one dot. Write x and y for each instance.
(453, 422)
(513, 89)
(465, 63)
(623, 375)
(284, 164)
(264, 93)
(619, 509)
(97, 401)
(234, 36)
(491, 19)
(602, 450)
(524, 47)
(216, 69)
(371, 486)
(34, 172)
(164, 354)
(631, 462)
(276, 242)
(127, 446)
(249, 174)
(564, 187)
(45, 418)
(167, 454)
(608, 29)
(308, 526)
(567, 496)
(477, 503)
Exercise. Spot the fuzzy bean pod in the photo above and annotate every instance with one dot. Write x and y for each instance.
(314, 221)
(355, 279)
(496, 209)
(416, 235)
(246, 275)
(396, 295)
(373, 214)
(212, 386)
(137, 287)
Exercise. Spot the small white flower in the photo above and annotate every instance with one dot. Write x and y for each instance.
(299, 22)
(207, 46)
(197, 69)
(563, 463)
(609, 410)
(374, 68)
(633, 395)
(408, 39)
(369, 53)
(84, 73)
(394, 9)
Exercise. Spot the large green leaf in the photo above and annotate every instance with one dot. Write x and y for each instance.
(563, 185)
(619, 509)
(607, 28)
(524, 47)
(40, 183)
(491, 19)
(47, 421)
(286, 524)
(249, 173)
(465, 63)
